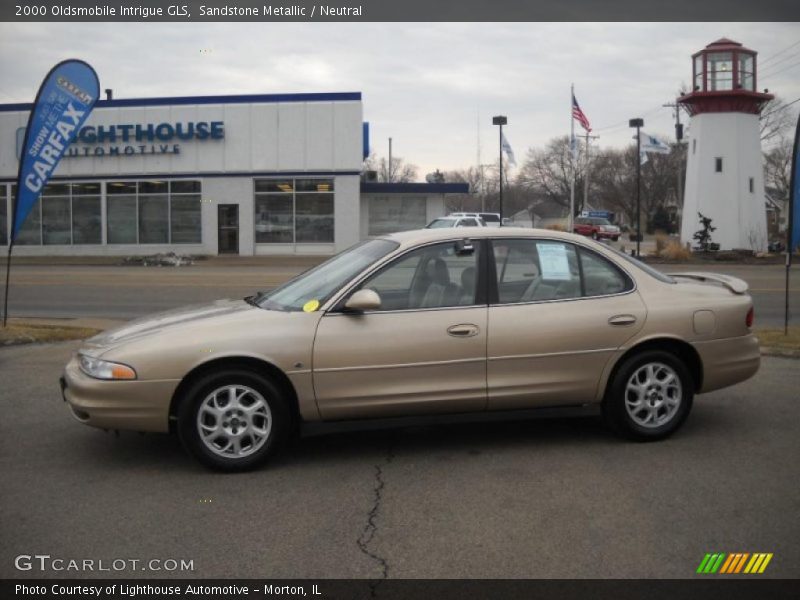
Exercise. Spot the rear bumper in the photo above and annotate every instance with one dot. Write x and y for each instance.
(135, 405)
(729, 361)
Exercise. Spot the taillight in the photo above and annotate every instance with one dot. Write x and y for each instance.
(748, 320)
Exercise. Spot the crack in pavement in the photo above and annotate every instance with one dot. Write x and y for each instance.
(371, 527)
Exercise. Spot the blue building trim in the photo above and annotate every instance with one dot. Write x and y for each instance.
(414, 188)
(183, 100)
(191, 175)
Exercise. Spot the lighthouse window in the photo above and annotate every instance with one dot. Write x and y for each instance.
(698, 72)
(718, 164)
(720, 71)
(746, 79)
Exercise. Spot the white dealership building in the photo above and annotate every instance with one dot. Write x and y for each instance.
(257, 174)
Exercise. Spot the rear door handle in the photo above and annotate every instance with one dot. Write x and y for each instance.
(621, 320)
(463, 330)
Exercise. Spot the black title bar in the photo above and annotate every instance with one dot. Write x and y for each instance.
(398, 10)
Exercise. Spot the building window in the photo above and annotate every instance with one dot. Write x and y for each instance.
(296, 211)
(66, 213)
(388, 214)
(86, 214)
(718, 164)
(752, 184)
(153, 212)
(3, 215)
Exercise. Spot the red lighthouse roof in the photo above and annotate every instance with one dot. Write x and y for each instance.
(727, 44)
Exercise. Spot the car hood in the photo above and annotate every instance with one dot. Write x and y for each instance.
(165, 321)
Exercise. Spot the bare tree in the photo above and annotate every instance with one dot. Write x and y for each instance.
(778, 169)
(776, 120)
(401, 171)
(614, 181)
(547, 172)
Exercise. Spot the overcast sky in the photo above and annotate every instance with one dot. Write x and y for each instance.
(432, 87)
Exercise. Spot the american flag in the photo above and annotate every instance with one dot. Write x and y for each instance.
(577, 114)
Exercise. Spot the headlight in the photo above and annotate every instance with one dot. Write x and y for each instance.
(103, 369)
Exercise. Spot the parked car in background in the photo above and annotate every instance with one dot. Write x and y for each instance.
(596, 228)
(455, 221)
(426, 322)
(491, 219)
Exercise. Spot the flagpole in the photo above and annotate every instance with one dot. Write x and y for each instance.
(572, 152)
(8, 276)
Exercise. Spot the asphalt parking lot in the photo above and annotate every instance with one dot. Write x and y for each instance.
(547, 498)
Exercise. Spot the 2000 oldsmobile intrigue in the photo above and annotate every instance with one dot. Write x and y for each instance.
(420, 323)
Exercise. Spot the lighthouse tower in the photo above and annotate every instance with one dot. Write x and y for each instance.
(724, 172)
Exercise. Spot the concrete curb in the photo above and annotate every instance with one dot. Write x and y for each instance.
(782, 352)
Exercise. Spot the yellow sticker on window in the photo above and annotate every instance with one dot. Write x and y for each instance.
(311, 306)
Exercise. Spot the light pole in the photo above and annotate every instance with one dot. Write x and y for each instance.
(500, 120)
(638, 124)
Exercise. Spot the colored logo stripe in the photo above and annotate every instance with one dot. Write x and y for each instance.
(722, 563)
(711, 563)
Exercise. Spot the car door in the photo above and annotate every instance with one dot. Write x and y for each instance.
(557, 316)
(423, 351)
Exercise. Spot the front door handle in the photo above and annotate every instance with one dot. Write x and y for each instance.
(622, 320)
(463, 330)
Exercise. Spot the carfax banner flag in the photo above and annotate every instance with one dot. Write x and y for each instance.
(65, 99)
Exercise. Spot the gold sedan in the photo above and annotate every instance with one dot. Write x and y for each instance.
(431, 322)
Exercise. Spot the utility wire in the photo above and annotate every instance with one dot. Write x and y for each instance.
(791, 56)
(771, 75)
(771, 57)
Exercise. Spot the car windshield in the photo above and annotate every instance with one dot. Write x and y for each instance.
(317, 285)
(602, 222)
(440, 223)
(644, 267)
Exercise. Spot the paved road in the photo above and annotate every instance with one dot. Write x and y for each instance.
(556, 498)
(126, 292)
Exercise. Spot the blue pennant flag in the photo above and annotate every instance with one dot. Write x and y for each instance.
(65, 99)
(794, 197)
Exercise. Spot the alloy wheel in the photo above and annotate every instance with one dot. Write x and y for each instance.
(653, 395)
(234, 421)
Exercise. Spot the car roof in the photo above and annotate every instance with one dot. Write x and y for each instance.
(421, 236)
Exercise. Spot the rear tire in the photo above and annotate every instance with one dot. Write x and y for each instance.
(649, 397)
(233, 420)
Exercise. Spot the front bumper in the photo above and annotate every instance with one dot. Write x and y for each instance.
(728, 361)
(607, 235)
(136, 405)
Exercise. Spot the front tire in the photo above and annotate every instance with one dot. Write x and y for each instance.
(233, 420)
(649, 397)
(594, 235)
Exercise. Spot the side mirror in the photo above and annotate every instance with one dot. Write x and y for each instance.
(363, 300)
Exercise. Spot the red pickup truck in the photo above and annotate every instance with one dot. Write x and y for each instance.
(596, 228)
